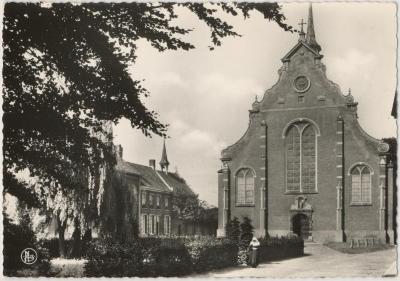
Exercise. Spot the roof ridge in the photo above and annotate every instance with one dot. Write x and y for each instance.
(164, 181)
(142, 165)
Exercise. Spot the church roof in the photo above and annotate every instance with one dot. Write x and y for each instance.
(309, 42)
(296, 47)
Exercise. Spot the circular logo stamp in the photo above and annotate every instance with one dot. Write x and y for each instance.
(383, 147)
(28, 256)
(301, 84)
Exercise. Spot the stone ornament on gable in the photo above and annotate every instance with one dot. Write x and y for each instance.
(301, 83)
(350, 100)
(382, 147)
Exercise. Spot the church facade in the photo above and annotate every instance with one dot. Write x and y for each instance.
(305, 165)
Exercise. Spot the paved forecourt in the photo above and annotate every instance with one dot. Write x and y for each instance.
(319, 261)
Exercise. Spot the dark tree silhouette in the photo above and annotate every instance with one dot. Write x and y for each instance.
(66, 80)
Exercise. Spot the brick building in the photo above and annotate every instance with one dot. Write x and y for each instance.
(305, 165)
(145, 195)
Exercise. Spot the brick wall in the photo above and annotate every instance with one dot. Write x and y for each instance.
(321, 104)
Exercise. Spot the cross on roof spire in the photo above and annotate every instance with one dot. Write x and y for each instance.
(302, 37)
(301, 24)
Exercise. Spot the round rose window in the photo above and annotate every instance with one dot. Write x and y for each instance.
(301, 83)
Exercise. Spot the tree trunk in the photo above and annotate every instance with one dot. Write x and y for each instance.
(61, 239)
(87, 237)
(76, 240)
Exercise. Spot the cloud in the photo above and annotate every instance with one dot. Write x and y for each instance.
(224, 86)
(171, 79)
(352, 62)
(195, 141)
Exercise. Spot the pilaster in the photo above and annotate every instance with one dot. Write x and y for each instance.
(263, 180)
(390, 203)
(224, 182)
(339, 236)
(382, 197)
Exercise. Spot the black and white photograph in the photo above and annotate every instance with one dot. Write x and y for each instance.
(199, 139)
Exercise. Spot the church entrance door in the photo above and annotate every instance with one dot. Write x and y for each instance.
(301, 226)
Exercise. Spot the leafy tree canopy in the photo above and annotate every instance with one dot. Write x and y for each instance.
(66, 81)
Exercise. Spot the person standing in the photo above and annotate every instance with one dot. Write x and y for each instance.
(253, 252)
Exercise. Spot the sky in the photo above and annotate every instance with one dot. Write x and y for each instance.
(205, 95)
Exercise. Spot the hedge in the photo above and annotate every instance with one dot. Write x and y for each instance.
(152, 257)
(274, 248)
(139, 258)
(211, 253)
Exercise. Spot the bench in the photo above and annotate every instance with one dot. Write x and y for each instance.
(367, 241)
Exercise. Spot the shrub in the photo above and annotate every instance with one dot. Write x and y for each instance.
(51, 245)
(211, 253)
(233, 230)
(144, 258)
(18, 237)
(152, 257)
(274, 248)
(246, 234)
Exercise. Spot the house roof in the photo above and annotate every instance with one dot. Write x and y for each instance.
(177, 183)
(156, 179)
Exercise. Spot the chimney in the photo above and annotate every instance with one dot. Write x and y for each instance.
(152, 163)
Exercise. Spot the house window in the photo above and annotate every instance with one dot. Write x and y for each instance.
(151, 224)
(167, 225)
(157, 225)
(144, 197)
(245, 186)
(361, 184)
(166, 202)
(150, 200)
(144, 224)
(300, 142)
(158, 201)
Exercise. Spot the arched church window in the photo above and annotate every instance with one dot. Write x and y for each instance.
(301, 146)
(361, 184)
(245, 186)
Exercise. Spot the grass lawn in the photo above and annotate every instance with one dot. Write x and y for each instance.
(345, 248)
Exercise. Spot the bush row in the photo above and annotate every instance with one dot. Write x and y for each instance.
(211, 253)
(152, 257)
(159, 257)
(274, 248)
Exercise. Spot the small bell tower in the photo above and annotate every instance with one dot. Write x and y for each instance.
(164, 160)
